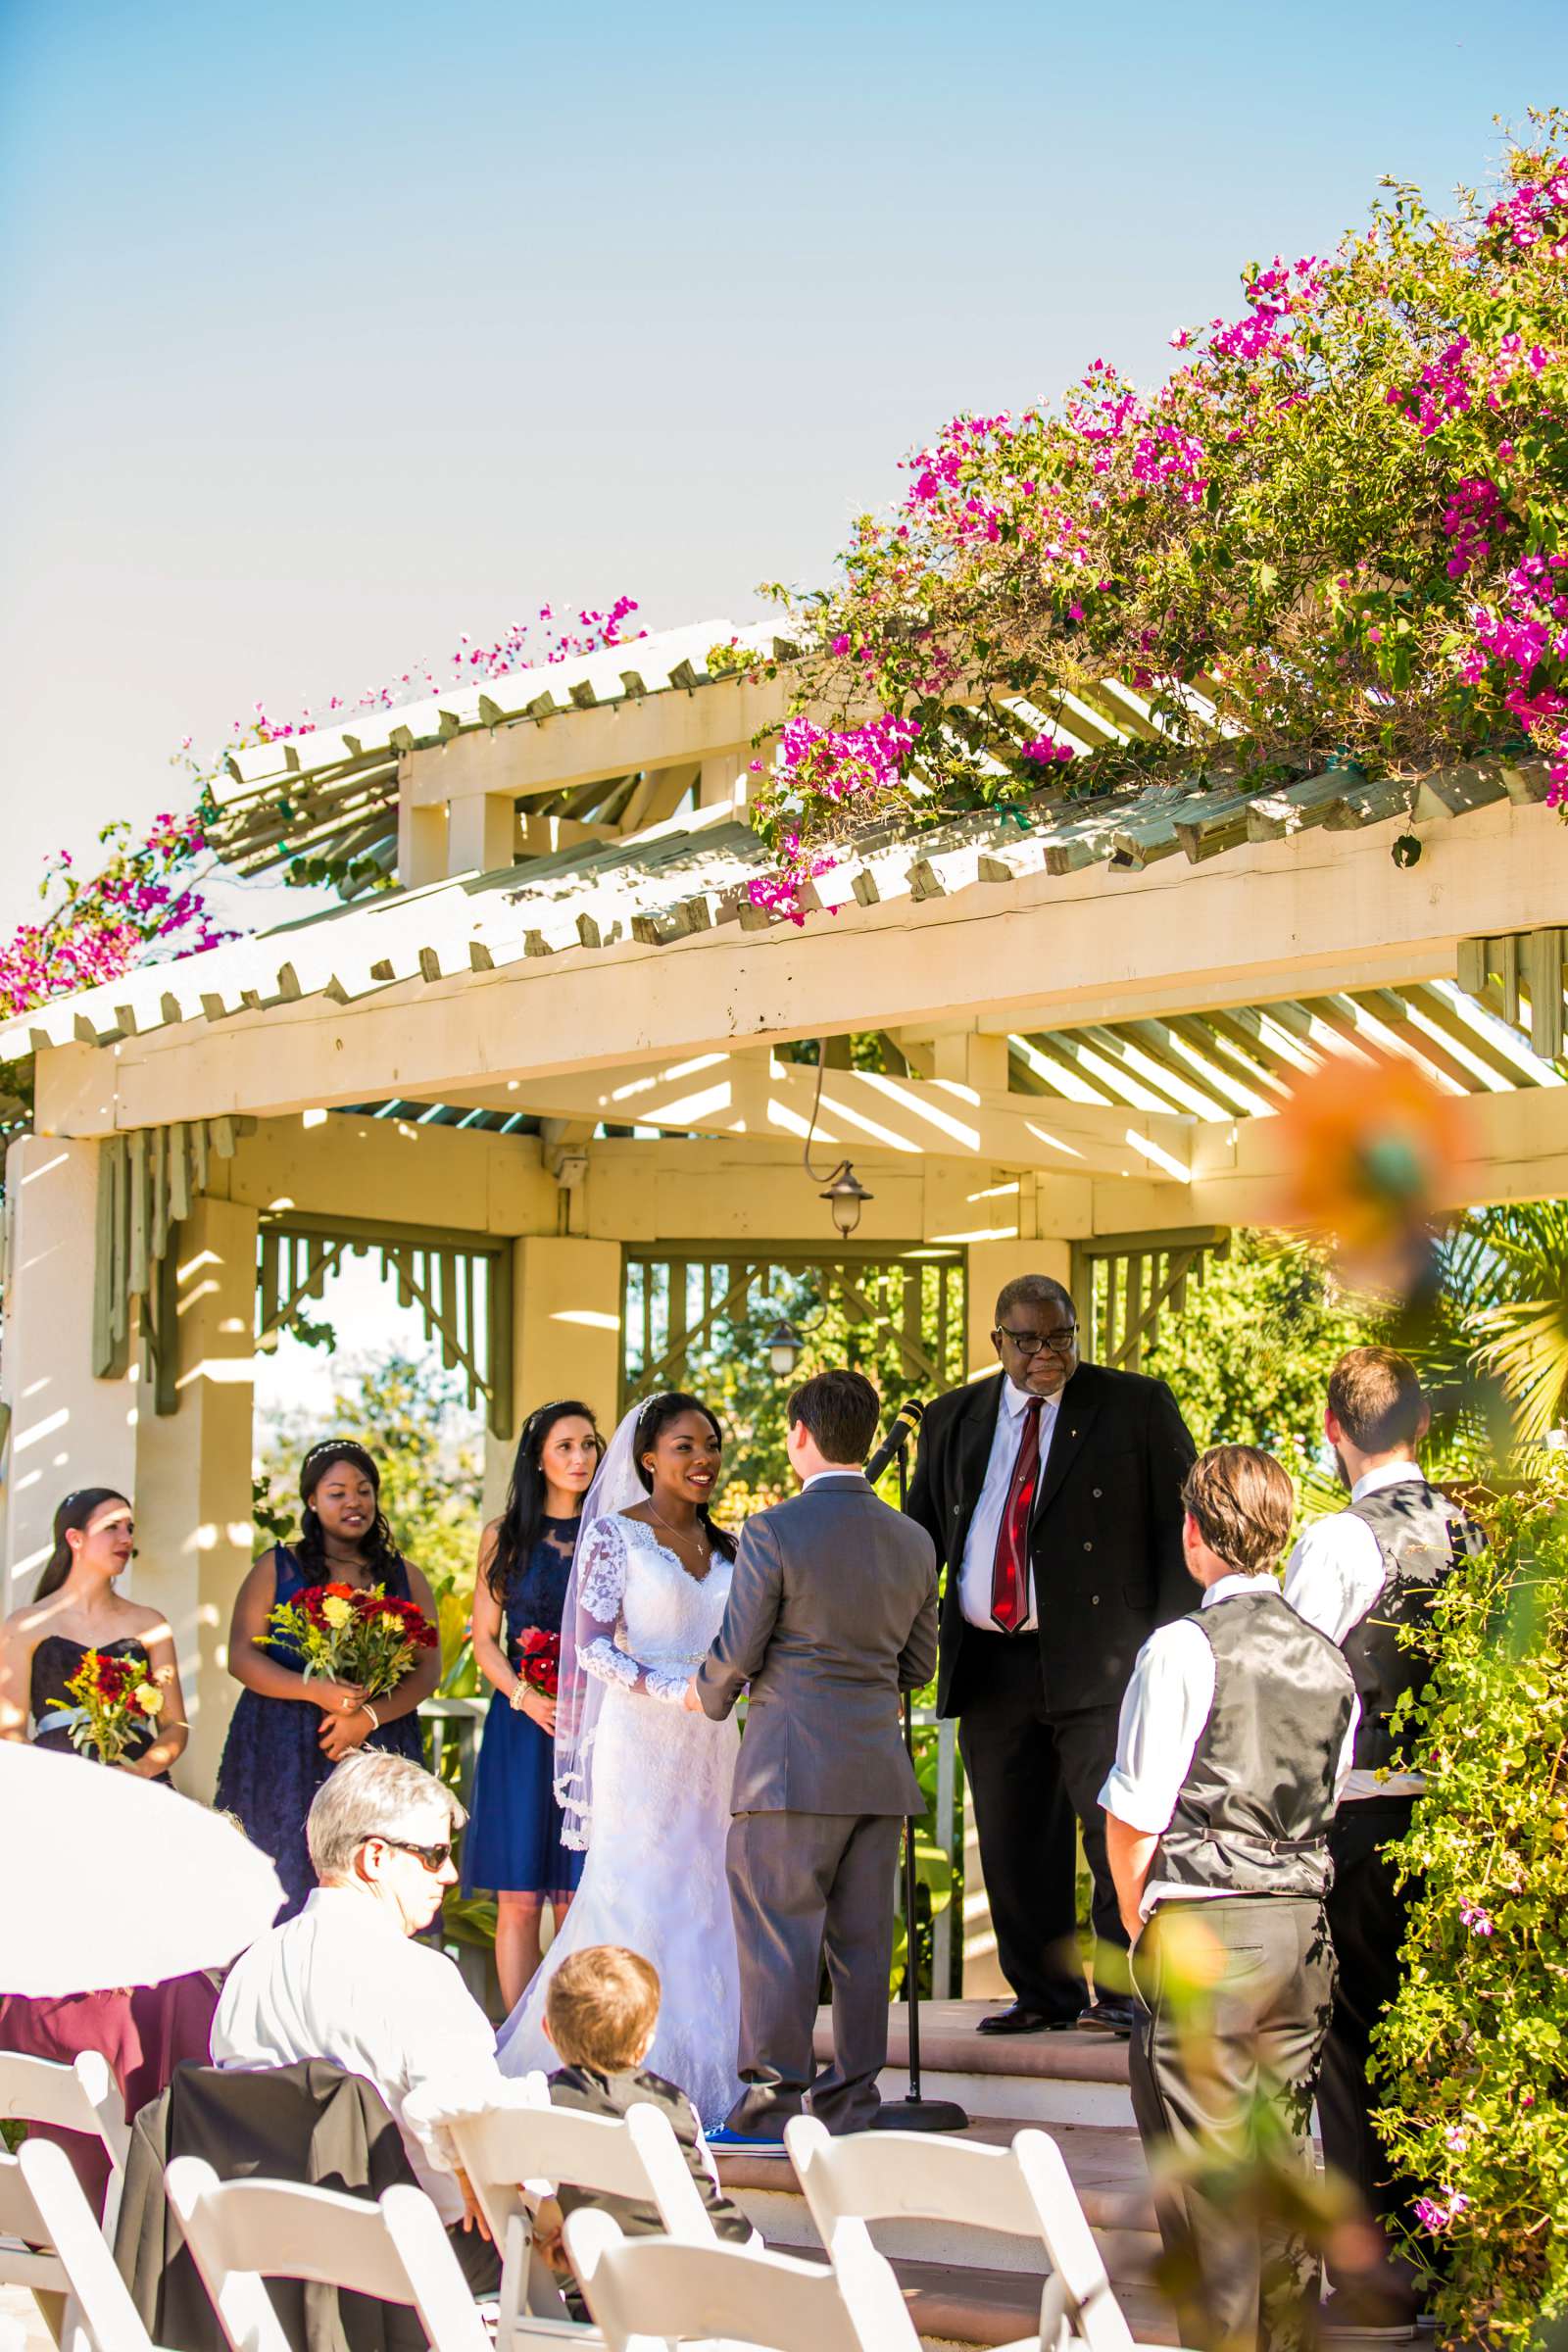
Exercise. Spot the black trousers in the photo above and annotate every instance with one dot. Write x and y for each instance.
(1034, 1777)
(1203, 2065)
(1367, 1918)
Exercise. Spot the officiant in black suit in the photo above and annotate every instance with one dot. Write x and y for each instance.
(1053, 1494)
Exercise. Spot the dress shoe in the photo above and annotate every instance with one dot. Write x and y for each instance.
(1112, 2013)
(1021, 2019)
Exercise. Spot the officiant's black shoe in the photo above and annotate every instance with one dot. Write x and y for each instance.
(1112, 2013)
(1021, 2019)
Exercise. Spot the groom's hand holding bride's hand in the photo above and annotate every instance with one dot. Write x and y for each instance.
(691, 1702)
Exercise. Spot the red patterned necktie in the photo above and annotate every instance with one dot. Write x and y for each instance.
(1010, 1577)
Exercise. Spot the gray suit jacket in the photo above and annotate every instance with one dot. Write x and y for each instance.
(832, 1613)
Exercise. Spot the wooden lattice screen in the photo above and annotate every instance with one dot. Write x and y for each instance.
(1123, 1283)
(678, 1304)
(461, 1285)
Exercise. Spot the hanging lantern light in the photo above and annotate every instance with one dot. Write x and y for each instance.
(846, 1196)
(784, 1344)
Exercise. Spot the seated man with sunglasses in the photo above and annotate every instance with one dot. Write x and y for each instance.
(347, 1981)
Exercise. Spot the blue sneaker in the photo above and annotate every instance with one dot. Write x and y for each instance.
(721, 2137)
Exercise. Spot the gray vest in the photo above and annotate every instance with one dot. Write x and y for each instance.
(1252, 1814)
(1420, 1534)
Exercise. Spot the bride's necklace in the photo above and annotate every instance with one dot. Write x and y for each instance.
(693, 1536)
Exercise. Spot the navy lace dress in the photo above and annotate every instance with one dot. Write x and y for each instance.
(512, 1844)
(274, 1762)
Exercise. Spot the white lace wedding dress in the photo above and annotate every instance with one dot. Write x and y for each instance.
(653, 1880)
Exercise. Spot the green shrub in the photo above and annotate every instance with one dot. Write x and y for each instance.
(1473, 2057)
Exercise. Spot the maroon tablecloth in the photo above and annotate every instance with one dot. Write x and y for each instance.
(143, 2034)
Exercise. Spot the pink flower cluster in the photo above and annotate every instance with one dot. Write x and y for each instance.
(1473, 519)
(104, 927)
(1525, 633)
(1171, 457)
(843, 763)
(1526, 217)
(1045, 749)
(1478, 1920)
(1438, 2217)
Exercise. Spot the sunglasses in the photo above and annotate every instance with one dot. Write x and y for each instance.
(435, 1857)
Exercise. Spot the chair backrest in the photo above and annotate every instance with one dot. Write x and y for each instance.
(101, 2315)
(20, 2219)
(914, 2176)
(648, 2288)
(243, 2232)
(80, 2097)
(1090, 2306)
(636, 2155)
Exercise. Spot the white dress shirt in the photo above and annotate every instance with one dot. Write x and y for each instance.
(342, 1981)
(1333, 1577)
(1163, 1710)
(980, 1545)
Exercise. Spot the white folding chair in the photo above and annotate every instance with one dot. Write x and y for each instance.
(890, 2176)
(645, 2291)
(242, 2232)
(636, 2155)
(80, 2097)
(100, 2314)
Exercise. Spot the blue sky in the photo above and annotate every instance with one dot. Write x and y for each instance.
(336, 330)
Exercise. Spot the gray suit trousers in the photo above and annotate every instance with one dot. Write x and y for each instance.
(801, 1886)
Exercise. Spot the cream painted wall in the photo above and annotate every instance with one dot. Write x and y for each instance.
(67, 1429)
(566, 1337)
(193, 1473)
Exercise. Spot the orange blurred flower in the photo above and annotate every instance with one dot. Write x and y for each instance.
(1370, 1147)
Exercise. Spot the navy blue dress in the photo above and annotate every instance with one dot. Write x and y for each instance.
(274, 1762)
(512, 1844)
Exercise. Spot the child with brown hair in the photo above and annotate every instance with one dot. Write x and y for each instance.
(600, 2016)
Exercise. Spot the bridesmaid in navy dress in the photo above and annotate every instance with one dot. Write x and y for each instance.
(513, 1848)
(288, 1733)
(76, 1608)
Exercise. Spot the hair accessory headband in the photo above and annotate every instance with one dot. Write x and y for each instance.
(320, 1459)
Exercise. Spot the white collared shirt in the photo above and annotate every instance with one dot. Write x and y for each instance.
(978, 1568)
(341, 1982)
(848, 1470)
(1333, 1577)
(1163, 1710)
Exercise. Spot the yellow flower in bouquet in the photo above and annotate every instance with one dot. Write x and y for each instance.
(337, 1611)
(349, 1635)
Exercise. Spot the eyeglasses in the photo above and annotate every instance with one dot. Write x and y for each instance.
(435, 1857)
(1035, 1342)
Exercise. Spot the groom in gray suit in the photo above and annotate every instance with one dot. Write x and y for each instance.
(832, 1613)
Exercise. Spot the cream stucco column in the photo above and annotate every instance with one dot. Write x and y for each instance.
(67, 1428)
(193, 1472)
(565, 1337)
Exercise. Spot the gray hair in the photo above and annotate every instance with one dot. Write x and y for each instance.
(1033, 1290)
(371, 1795)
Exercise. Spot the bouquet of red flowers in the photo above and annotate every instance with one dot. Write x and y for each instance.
(539, 1661)
(116, 1701)
(348, 1636)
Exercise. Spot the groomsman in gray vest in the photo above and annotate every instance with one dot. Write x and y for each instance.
(1364, 1578)
(1236, 1733)
(832, 1613)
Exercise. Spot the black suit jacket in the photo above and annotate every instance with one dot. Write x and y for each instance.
(1105, 1540)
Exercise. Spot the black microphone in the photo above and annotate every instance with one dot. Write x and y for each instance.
(905, 1421)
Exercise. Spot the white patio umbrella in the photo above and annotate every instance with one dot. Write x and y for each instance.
(108, 1881)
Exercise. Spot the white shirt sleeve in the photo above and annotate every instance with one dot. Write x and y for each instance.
(1164, 1708)
(1334, 1574)
(446, 2047)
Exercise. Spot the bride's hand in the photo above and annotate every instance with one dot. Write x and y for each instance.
(536, 1706)
(691, 1702)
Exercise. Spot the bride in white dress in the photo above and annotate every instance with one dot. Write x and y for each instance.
(645, 1787)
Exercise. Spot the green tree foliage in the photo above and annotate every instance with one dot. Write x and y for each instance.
(1248, 1359)
(402, 1409)
(1473, 2057)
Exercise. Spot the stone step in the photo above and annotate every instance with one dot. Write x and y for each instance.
(1050, 2079)
(1003, 2307)
(1107, 2170)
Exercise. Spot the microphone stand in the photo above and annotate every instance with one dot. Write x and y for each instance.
(914, 2113)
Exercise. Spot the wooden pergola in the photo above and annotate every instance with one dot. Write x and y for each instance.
(563, 1044)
